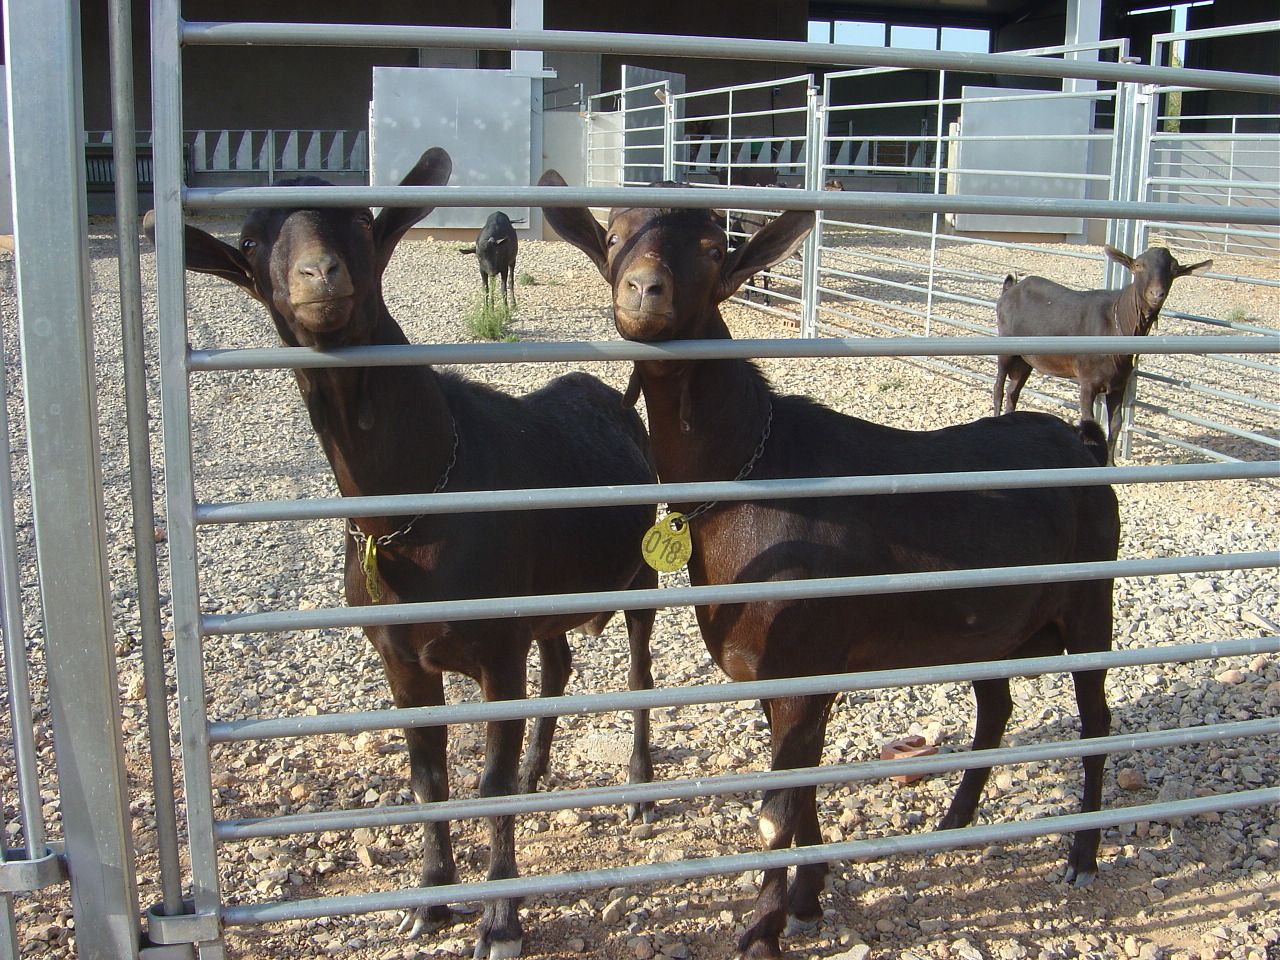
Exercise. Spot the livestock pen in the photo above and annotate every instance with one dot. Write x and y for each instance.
(291, 822)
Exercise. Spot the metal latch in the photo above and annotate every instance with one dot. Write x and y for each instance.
(20, 875)
(185, 927)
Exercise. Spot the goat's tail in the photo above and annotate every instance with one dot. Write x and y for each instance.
(1009, 281)
(466, 249)
(1094, 439)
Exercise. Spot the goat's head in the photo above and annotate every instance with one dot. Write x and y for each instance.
(669, 269)
(318, 270)
(1154, 272)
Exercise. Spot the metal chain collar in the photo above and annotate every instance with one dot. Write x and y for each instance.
(361, 537)
(743, 473)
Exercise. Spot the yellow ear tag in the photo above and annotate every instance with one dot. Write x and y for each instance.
(667, 545)
(369, 564)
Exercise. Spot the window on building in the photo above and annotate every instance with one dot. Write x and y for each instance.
(867, 33)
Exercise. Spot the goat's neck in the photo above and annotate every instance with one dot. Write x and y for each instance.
(1132, 315)
(385, 430)
(706, 417)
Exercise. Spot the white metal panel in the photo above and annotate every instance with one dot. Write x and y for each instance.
(1019, 119)
(482, 117)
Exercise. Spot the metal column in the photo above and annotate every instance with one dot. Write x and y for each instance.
(43, 52)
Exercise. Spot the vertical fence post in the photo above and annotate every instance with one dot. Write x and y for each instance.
(668, 134)
(166, 112)
(123, 138)
(42, 44)
(937, 190)
(815, 153)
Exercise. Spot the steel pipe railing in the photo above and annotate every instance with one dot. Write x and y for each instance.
(634, 793)
(284, 358)
(894, 846)
(234, 731)
(777, 51)
(765, 591)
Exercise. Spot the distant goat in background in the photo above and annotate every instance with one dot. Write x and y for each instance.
(1036, 307)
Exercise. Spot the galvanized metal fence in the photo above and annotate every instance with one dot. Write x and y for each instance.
(67, 495)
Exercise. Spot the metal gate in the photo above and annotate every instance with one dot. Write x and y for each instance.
(70, 526)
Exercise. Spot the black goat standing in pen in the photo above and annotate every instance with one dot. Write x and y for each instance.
(496, 249)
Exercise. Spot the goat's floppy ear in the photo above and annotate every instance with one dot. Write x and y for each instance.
(1200, 267)
(432, 170)
(577, 225)
(1123, 259)
(207, 254)
(775, 241)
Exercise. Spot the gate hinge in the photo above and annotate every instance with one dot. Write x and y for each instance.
(186, 927)
(20, 875)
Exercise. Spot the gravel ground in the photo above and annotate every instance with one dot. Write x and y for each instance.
(1204, 887)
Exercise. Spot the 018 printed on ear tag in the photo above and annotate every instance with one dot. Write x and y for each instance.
(667, 545)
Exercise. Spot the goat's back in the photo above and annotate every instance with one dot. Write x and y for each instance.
(861, 536)
(1038, 307)
(497, 244)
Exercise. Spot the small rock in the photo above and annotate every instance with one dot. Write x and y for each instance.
(640, 948)
(642, 831)
(1128, 778)
(614, 911)
(885, 925)
(365, 855)
(1230, 677)
(575, 945)
(859, 951)
(676, 951)
(569, 818)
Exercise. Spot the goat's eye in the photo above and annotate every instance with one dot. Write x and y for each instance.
(613, 239)
(365, 220)
(716, 254)
(248, 244)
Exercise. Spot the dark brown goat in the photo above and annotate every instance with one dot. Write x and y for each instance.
(669, 271)
(410, 429)
(1036, 307)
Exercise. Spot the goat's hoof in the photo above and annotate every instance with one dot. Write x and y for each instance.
(801, 926)
(642, 812)
(414, 923)
(1080, 878)
(497, 949)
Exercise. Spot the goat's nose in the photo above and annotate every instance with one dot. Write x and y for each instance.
(322, 266)
(647, 285)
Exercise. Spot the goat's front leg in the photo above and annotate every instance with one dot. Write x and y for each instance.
(1095, 721)
(640, 677)
(500, 935)
(798, 728)
(557, 662)
(411, 686)
(1115, 415)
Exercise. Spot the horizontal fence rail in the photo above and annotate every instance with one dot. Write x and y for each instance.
(666, 873)
(438, 611)
(194, 33)
(410, 355)
(840, 773)
(761, 198)
(538, 498)
(232, 731)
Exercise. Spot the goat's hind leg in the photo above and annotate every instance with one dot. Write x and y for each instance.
(994, 705)
(1018, 371)
(1090, 631)
(640, 677)
(557, 663)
